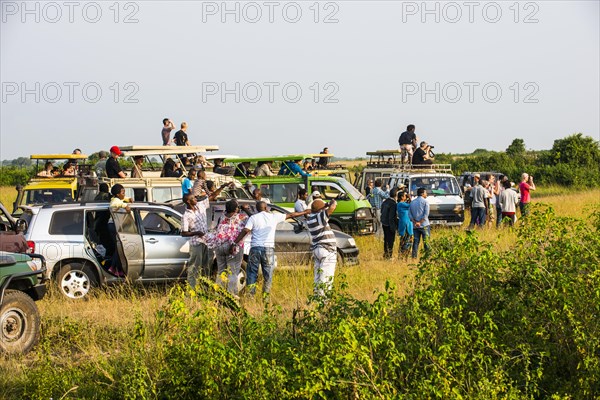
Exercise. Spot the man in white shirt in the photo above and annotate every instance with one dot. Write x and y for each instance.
(263, 225)
(300, 204)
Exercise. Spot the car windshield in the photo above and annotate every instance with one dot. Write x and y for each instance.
(43, 196)
(351, 190)
(435, 185)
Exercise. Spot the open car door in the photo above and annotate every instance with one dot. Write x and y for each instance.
(129, 244)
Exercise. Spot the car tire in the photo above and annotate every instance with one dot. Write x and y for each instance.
(241, 281)
(335, 226)
(19, 323)
(76, 280)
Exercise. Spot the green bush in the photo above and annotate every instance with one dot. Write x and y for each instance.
(479, 323)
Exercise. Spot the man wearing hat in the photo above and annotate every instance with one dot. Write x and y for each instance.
(323, 245)
(113, 169)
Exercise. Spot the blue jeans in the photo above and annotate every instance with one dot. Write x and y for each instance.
(265, 257)
(419, 233)
(478, 215)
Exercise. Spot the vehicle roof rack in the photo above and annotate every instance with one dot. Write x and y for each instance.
(381, 158)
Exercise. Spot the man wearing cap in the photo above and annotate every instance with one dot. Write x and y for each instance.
(323, 245)
(263, 225)
(113, 169)
(315, 194)
(422, 155)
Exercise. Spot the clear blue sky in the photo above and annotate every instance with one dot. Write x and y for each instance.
(467, 76)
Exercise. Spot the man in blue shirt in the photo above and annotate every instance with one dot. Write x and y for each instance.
(378, 195)
(419, 215)
(292, 168)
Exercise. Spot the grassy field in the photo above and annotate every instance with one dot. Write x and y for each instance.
(100, 327)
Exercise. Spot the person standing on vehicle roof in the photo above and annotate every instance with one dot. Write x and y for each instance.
(324, 160)
(263, 225)
(195, 226)
(181, 137)
(113, 169)
(408, 139)
(168, 126)
(100, 166)
(323, 245)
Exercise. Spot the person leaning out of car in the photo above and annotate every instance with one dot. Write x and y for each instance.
(119, 200)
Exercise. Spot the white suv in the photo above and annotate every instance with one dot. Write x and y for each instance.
(446, 203)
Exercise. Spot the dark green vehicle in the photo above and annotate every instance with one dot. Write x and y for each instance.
(353, 213)
(21, 284)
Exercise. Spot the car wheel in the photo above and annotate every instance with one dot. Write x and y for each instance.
(335, 226)
(19, 323)
(241, 279)
(339, 259)
(75, 280)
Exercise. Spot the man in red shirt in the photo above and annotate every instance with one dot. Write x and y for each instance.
(525, 187)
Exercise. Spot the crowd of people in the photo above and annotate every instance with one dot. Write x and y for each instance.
(493, 202)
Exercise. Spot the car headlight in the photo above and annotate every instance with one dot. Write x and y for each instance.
(459, 208)
(352, 242)
(361, 213)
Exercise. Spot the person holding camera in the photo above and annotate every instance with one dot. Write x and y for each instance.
(525, 187)
(323, 245)
(423, 155)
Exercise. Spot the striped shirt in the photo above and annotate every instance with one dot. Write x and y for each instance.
(321, 234)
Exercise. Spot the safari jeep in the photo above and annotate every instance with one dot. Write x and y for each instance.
(21, 285)
(152, 187)
(353, 213)
(447, 207)
(54, 189)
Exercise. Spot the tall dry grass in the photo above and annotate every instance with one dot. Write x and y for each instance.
(8, 194)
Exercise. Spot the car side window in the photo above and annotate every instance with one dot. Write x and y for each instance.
(328, 190)
(164, 194)
(155, 222)
(68, 222)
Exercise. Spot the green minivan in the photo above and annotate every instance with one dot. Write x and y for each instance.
(353, 213)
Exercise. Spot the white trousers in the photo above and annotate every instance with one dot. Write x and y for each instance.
(325, 261)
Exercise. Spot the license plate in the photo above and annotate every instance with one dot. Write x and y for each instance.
(438, 222)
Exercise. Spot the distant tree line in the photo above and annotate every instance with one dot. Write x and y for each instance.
(572, 161)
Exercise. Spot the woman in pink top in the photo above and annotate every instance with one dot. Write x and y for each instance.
(525, 187)
(228, 228)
